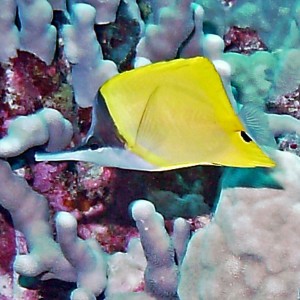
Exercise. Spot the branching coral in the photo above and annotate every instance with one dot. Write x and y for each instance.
(31, 218)
(105, 10)
(173, 26)
(9, 33)
(37, 35)
(45, 127)
(85, 256)
(89, 70)
(161, 273)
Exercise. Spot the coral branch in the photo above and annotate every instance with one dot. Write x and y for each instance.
(89, 70)
(181, 237)
(29, 212)
(162, 39)
(86, 257)
(37, 35)
(9, 35)
(106, 10)
(46, 126)
(161, 274)
(283, 124)
(126, 270)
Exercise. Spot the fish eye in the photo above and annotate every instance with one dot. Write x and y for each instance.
(92, 143)
(94, 146)
(245, 137)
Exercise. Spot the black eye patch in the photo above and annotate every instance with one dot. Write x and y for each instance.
(245, 137)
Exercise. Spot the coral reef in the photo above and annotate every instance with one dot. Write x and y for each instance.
(80, 231)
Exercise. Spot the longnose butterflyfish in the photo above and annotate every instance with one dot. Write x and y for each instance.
(165, 116)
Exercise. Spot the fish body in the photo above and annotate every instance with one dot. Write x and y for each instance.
(169, 115)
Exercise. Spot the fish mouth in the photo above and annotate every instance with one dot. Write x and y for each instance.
(104, 156)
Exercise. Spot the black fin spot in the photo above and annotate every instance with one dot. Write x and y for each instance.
(246, 137)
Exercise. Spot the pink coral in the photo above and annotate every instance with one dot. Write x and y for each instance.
(243, 40)
(7, 241)
(32, 77)
(84, 191)
(286, 104)
(112, 237)
(290, 142)
(28, 84)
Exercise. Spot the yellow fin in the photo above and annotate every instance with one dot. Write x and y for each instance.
(177, 114)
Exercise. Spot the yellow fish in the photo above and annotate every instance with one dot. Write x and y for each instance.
(168, 115)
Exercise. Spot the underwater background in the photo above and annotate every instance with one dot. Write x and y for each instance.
(75, 230)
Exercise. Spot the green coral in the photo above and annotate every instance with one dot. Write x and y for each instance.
(251, 75)
(262, 75)
(272, 19)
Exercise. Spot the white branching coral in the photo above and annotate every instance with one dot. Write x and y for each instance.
(86, 256)
(44, 127)
(31, 218)
(89, 69)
